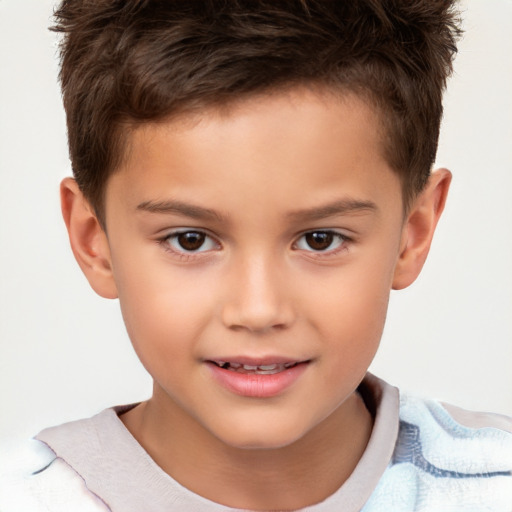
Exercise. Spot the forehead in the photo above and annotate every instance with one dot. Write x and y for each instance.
(296, 143)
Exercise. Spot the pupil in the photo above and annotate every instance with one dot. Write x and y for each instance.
(191, 241)
(319, 240)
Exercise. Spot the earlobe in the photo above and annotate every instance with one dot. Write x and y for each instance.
(419, 228)
(88, 239)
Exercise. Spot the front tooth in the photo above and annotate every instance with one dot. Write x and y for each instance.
(248, 367)
(235, 365)
(267, 367)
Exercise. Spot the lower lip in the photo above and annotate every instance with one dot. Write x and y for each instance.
(255, 385)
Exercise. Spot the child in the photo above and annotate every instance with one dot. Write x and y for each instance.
(251, 180)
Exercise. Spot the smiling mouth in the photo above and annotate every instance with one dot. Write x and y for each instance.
(264, 369)
(264, 377)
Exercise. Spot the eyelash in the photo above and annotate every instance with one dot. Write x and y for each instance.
(342, 239)
(186, 255)
(183, 254)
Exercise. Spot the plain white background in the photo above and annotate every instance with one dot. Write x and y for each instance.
(64, 353)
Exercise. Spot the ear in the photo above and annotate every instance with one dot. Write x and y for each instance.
(88, 239)
(419, 228)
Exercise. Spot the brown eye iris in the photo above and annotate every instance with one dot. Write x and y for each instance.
(191, 240)
(319, 240)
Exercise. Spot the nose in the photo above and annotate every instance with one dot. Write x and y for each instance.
(258, 298)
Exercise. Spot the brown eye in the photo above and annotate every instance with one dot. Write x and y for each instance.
(191, 240)
(320, 241)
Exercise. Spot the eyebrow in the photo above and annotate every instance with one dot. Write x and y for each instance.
(180, 208)
(339, 207)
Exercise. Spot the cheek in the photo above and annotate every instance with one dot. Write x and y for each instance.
(163, 311)
(351, 311)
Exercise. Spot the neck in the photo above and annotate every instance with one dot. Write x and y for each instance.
(286, 478)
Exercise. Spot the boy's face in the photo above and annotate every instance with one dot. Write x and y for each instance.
(265, 235)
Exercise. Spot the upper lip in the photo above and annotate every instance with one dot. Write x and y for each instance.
(257, 361)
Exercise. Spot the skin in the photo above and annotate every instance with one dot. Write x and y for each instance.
(268, 170)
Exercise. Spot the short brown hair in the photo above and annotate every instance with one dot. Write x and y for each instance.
(125, 62)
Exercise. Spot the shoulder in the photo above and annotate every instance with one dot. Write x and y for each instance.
(478, 420)
(450, 459)
(456, 441)
(33, 478)
(446, 459)
(485, 439)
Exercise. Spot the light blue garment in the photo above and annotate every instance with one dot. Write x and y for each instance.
(438, 465)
